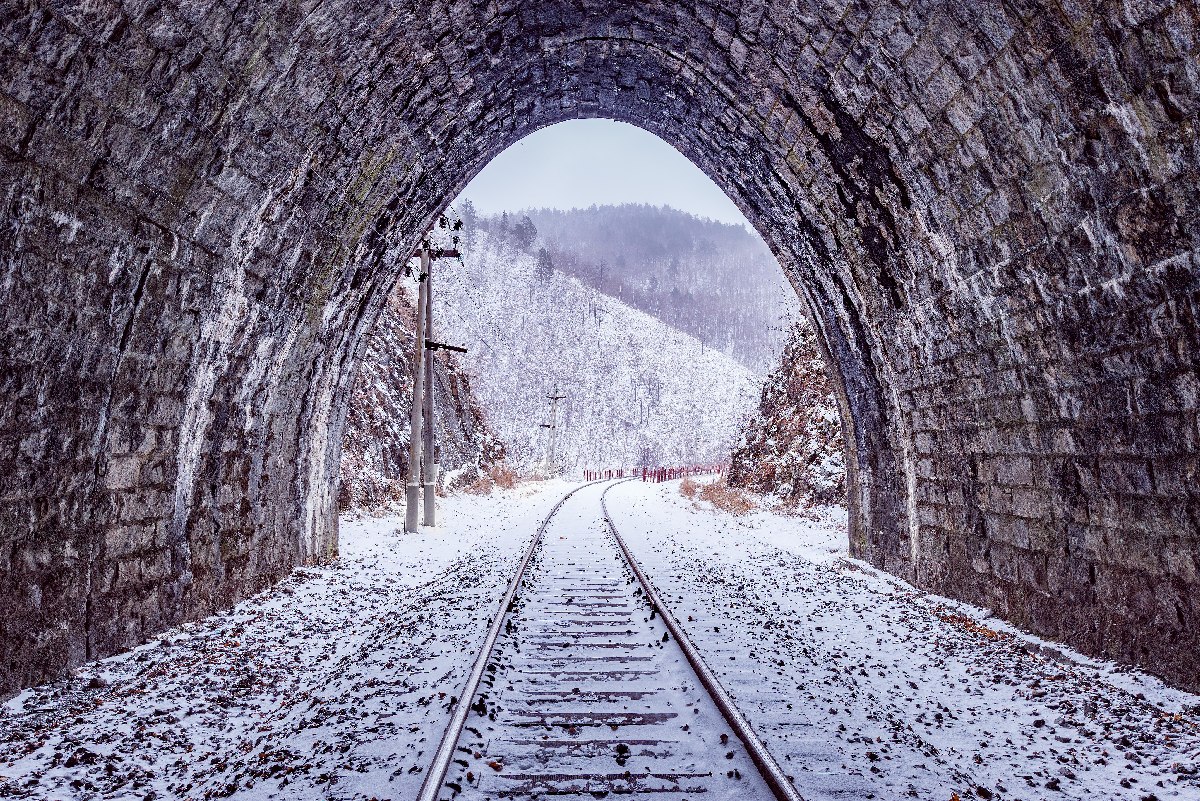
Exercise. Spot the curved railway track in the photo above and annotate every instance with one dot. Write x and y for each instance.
(587, 686)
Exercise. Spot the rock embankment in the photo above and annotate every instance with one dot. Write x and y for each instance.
(791, 447)
(374, 463)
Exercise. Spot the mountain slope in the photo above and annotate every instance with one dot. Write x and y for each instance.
(792, 446)
(637, 391)
(715, 281)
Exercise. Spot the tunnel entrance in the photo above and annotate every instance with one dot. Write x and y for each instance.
(990, 212)
(620, 316)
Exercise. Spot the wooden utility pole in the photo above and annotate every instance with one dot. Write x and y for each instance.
(551, 440)
(422, 456)
(431, 456)
(412, 491)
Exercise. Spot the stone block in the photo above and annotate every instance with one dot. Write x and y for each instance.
(1014, 471)
(123, 473)
(1125, 477)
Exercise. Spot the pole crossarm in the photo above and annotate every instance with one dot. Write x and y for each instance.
(431, 345)
(440, 253)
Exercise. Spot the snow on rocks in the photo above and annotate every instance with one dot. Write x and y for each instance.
(374, 463)
(865, 687)
(791, 446)
(335, 683)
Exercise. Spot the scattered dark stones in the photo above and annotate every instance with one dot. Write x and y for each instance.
(81, 756)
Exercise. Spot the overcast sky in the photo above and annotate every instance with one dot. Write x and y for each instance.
(584, 162)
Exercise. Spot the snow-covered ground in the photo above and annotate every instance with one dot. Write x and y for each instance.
(857, 681)
(334, 684)
(337, 683)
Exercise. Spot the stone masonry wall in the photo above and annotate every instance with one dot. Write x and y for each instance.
(990, 209)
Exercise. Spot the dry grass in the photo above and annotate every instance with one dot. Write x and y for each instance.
(688, 488)
(480, 486)
(504, 476)
(970, 624)
(726, 498)
(498, 475)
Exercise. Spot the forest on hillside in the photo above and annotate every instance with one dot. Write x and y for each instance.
(634, 391)
(715, 281)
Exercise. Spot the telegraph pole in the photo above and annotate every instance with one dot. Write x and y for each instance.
(421, 436)
(412, 491)
(431, 456)
(554, 398)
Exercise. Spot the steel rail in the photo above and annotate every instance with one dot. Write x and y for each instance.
(436, 775)
(774, 776)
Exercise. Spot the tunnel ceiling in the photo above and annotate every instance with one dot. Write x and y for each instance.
(990, 212)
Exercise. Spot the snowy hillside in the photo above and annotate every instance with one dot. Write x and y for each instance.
(715, 281)
(636, 390)
(711, 279)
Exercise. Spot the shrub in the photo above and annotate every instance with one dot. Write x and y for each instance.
(503, 476)
(480, 486)
(688, 488)
(481, 481)
(726, 498)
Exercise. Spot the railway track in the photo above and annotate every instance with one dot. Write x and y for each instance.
(584, 688)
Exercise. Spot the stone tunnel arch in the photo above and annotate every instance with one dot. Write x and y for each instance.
(991, 213)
